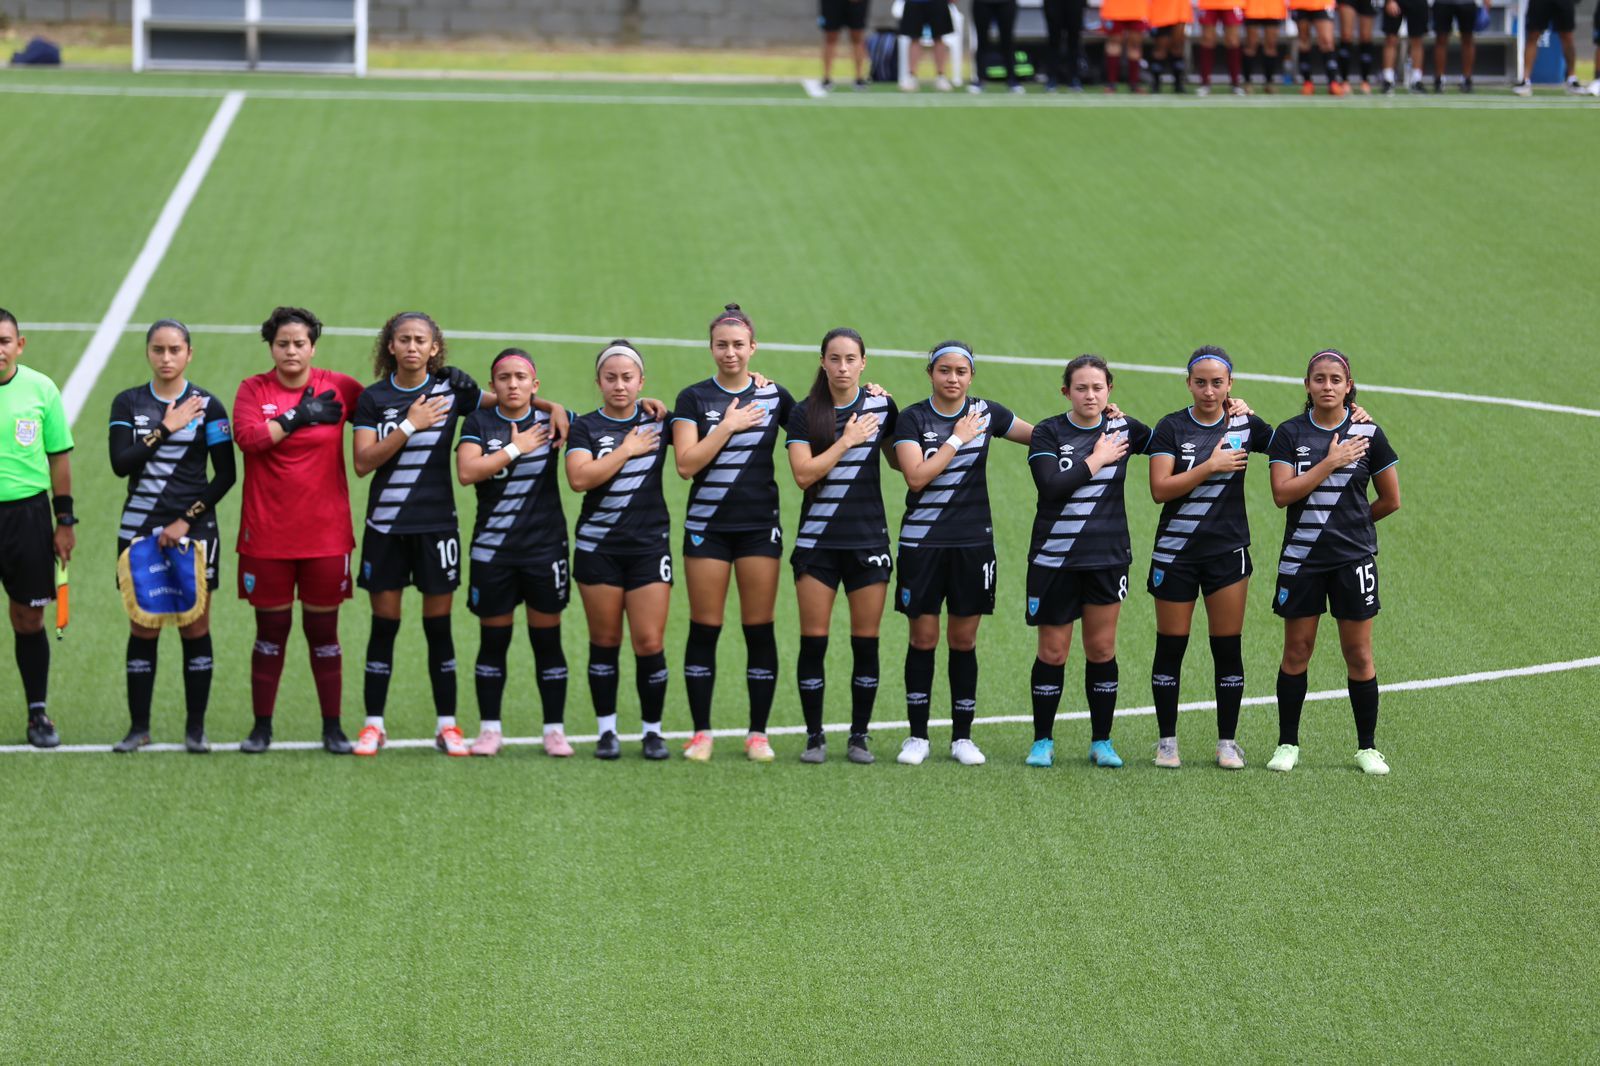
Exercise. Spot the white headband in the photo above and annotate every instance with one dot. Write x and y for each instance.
(623, 350)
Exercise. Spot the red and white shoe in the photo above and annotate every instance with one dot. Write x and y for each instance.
(488, 743)
(556, 744)
(371, 740)
(450, 741)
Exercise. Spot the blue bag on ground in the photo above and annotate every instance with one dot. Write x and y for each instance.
(37, 53)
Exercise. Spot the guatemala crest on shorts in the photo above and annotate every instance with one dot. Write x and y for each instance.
(1156, 576)
(472, 595)
(27, 431)
(1033, 606)
(1283, 597)
(249, 583)
(697, 539)
(905, 597)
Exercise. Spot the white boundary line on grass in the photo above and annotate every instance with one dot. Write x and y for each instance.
(892, 353)
(840, 727)
(106, 335)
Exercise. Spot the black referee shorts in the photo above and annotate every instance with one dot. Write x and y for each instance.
(932, 15)
(27, 550)
(1558, 15)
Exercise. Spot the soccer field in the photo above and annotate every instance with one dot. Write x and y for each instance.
(295, 906)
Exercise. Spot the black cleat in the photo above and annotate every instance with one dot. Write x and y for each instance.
(136, 739)
(42, 732)
(608, 746)
(334, 742)
(259, 740)
(857, 750)
(196, 743)
(655, 746)
(1466, 85)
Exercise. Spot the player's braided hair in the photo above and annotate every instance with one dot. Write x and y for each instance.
(383, 360)
(1332, 355)
(1082, 361)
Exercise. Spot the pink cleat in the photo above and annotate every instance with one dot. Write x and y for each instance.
(450, 741)
(555, 743)
(488, 742)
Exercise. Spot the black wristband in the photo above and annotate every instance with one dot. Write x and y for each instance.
(63, 505)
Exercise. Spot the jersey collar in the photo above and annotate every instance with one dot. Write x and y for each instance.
(631, 418)
(1075, 425)
(508, 418)
(181, 392)
(425, 379)
(1312, 417)
(853, 401)
(966, 402)
(1223, 417)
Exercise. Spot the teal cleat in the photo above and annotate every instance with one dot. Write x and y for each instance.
(1101, 753)
(1043, 753)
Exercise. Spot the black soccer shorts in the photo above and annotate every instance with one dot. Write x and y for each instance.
(496, 589)
(28, 563)
(1056, 597)
(855, 568)
(627, 572)
(429, 561)
(1186, 580)
(1349, 592)
(960, 580)
(734, 544)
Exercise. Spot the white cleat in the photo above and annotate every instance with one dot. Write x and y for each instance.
(913, 751)
(966, 753)
(942, 83)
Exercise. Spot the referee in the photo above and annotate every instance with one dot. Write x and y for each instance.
(34, 442)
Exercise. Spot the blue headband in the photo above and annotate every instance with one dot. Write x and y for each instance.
(1212, 355)
(946, 350)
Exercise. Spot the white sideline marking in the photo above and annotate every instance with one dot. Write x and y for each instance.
(126, 301)
(810, 349)
(814, 89)
(841, 727)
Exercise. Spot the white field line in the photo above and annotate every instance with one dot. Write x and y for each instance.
(838, 100)
(126, 300)
(840, 727)
(810, 349)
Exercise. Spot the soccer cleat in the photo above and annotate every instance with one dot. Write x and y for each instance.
(1416, 86)
(861, 85)
(699, 747)
(1101, 753)
(1015, 87)
(259, 740)
(1229, 755)
(1366, 87)
(1052, 86)
(910, 85)
(974, 88)
(1388, 87)
(1466, 85)
(1438, 85)
(450, 741)
(136, 739)
(196, 743)
(1042, 754)
(1307, 89)
(966, 753)
(912, 751)
(655, 747)
(1283, 760)
(1167, 753)
(1574, 86)
(488, 742)
(1338, 88)
(942, 83)
(1239, 90)
(556, 745)
(757, 748)
(816, 748)
(1201, 90)
(42, 732)
(608, 746)
(334, 742)
(1371, 761)
(370, 740)
(1522, 88)
(857, 751)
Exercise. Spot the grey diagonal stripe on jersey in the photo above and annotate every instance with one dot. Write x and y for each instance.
(1312, 522)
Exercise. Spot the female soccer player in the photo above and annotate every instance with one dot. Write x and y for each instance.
(294, 527)
(947, 555)
(1168, 22)
(1124, 23)
(519, 546)
(834, 436)
(1078, 559)
(1263, 22)
(1321, 465)
(723, 430)
(1315, 17)
(1230, 16)
(162, 435)
(623, 561)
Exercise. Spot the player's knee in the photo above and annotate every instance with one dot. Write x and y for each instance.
(1100, 649)
(25, 619)
(1297, 655)
(646, 643)
(1052, 652)
(1358, 659)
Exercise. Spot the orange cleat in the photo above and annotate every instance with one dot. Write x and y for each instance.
(1307, 89)
(371, 740)
(450, 741)
(1338, 88)
(699, 747)
(757, 748)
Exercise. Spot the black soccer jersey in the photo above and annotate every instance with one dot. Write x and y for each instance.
(1210, 520)
(735, 490)
(952, 511)
(1089, 529)
(414, 491)
(174, 476)
(627, 515)
(1333, 525)
(519, 518)
(845, 508)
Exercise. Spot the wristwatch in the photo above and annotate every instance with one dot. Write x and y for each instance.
(66, 519)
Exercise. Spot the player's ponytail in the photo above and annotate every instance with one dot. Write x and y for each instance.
(732, 316)
(1332, 355)
(383, 360)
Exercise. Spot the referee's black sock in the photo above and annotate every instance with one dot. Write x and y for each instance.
(441, 664)
(33, 663)
(1100, 689)
(919, 680)
(962, 670)
(1291, 699)
(197, 668)
(811, 673)
(863, 682)
(603, 679)
(1048, 680)
(141, 666)
(380, 664)
(650, 681)
(760, 672)
(700, 671)
(550, 663)
(1166, 673)
(1227, 655)
(489, 673)
(1364, 702)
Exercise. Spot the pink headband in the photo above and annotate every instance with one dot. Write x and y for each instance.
(1328, 354)
(512, 355)
(736, 320)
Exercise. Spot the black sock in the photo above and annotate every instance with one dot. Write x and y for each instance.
(1291, 698)
(962, 669)
(33, 663)
(1177, 73)
(919, 680)
(1343, 52)
(1365, 59)
(141, 666)
(1100, 688)
(1332, 66)
(1364, 702)
(1166, 672)
(1047, 683)
(380, 664)
(603, 679)
(489, 674)
(700, 671)
(863, 681)
(1227, 655)
(760, 672)
(441, 664)
(650, 681)
(197, 666)
(550, 664)
(1305, 64)
(810, 673)
(1156, 66)
(1247, 64)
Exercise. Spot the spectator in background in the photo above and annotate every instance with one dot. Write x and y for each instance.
(836, 15)
(1124, 23)
(1464, 15)
(1168, 19)
(1064, 19)
(1263, 22)
(1355, 24)
(933, 16)
(1002, 15)
(1558, 15)
(1414, 14)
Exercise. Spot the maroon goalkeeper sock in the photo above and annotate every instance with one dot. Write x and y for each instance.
(327, 658)
(266, 662)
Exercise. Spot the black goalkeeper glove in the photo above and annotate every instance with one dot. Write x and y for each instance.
(322, 409)
(459, 380)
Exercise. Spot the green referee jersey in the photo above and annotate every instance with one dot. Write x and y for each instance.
(33, 426)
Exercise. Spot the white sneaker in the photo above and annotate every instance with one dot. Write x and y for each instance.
(966, 753)
(1594, 88)
(912, 751)
(1202, 90)
(1574, 86)
(1015, 89)
(1229, 755)
(942, 83)
(974, 88)
(1522, 88)
(909, 85)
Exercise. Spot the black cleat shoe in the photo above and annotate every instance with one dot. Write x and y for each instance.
(196, 743)
(259, 740)
(42, 732)
(655, 746)
(857, 750)
(334, 742)
(1466, 85)
(608, 746)
(816, 748)
(136, 739)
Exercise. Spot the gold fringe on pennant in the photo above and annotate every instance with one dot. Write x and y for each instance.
(194, 551)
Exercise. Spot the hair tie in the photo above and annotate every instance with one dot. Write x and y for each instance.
(949, 349)
(1211, 355)
(624, 350)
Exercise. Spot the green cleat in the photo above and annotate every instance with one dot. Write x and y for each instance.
(1284, 759)
(1371, 761)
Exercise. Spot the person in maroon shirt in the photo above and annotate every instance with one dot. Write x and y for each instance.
(294, 533)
